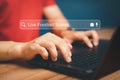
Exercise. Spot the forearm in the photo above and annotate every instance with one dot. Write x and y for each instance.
(9, 50)
(55, 16)
(59, 29)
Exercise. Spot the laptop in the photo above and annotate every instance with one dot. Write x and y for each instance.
(87, 63)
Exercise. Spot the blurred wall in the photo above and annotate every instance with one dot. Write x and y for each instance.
(108, 11)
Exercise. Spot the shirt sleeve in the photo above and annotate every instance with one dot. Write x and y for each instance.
(3, 11)
(50, 2)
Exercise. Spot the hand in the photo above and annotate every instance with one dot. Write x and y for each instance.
(44, 44)
(85, 36)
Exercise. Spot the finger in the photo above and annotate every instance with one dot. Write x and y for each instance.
(65, 51)
(50, 46)
(69, 43)
(94, 35)
(70, 46)
(87, 41)
(41, 50)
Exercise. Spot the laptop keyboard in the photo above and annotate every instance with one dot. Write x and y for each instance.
(85, 57)
(82, 56)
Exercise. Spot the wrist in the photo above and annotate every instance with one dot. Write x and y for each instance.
(60, 32)
(68, 31)
(15, 50)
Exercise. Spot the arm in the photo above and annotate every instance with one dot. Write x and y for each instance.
(54, 15)
(10, 50)
(6, 48)
(48, 42)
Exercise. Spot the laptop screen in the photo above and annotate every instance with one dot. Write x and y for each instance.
(111, 61)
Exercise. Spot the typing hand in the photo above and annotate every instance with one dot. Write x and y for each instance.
(44, 44)
(84, 36)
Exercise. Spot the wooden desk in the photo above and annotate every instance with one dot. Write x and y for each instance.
(18, 70)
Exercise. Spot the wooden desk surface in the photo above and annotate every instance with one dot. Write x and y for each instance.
(18, 70)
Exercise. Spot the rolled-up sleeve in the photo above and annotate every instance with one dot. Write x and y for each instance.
(50, 2)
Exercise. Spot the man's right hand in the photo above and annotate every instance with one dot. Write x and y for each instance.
(45, 45)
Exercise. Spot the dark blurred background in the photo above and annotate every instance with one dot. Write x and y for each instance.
(107, 11)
